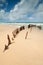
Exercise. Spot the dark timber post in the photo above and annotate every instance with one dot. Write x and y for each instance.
(9, 41)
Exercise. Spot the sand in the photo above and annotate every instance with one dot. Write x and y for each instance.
(23, 51)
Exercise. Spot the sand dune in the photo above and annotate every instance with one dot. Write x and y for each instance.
(23, 51)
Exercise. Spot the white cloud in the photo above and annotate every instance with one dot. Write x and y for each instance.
(22, 8)
(3, 1)
(22, 12)
(1, 5)
(38, 15)
(3, 15)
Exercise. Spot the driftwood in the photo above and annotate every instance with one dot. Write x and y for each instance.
(26, 35)
(6, 47)
(15, 32)
(9, 42)
(22, 28)
(39, 27)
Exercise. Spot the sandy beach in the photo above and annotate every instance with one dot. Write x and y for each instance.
(23, 51)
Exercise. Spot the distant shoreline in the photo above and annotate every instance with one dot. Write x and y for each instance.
(21, 23)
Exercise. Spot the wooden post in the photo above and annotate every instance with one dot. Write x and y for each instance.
(9, 41)
(26, 35)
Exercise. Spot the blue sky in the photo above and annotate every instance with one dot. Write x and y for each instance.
(21, 10)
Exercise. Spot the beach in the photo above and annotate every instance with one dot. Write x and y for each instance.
(22, 51)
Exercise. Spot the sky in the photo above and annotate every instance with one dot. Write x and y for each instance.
(21, 11)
